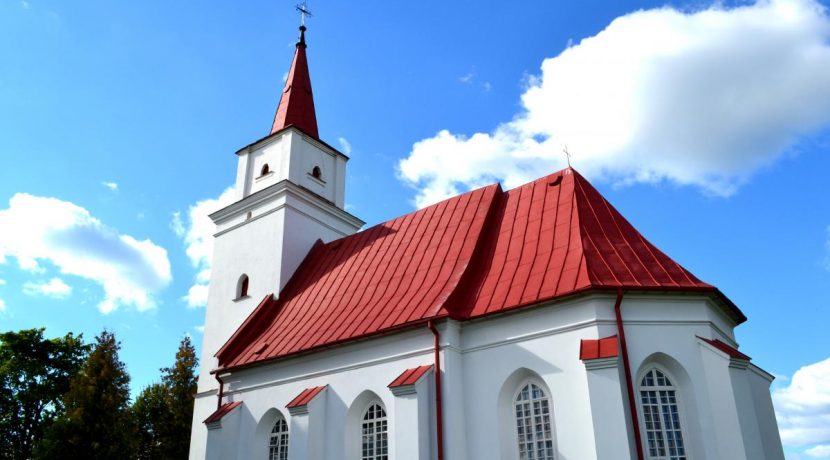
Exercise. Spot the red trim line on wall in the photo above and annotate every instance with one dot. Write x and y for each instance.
(439, 416)
(632, 403)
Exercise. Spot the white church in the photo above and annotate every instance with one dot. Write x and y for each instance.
(532, 323)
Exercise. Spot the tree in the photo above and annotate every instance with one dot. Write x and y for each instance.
(181, 383)
(97, 422)
(34, 374)
(164, 411)
(153, 418)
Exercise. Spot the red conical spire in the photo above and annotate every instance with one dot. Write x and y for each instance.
(297, 102)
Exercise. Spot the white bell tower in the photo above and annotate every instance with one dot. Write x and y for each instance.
(290, 191)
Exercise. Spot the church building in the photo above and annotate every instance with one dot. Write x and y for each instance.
(531, 323)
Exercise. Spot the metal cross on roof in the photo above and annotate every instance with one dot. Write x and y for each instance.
(567, 155)
(304, 11)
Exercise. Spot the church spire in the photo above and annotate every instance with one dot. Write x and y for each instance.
(297, 102)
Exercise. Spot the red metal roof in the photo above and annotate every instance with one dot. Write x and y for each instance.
(305, 397)
(297, 101)
(480, 253)
(223, 410)
(598, 348)
(729, 350)
(410, 376)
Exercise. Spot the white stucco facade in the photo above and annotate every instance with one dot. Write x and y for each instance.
(726, 412)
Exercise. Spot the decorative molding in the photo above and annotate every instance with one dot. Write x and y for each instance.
(298, 410)
(601, 363)
(404, 390)
(335, 370)
(217, 425)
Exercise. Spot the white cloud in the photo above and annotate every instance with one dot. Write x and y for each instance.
(2, 305)
(803, 407)
(197, 234)
(110, 185)
(55, 288)
(37, 229)
(468, 78)
(2, 282)
(345, 146)
(820, 451)
(703, 98)
(199, 329)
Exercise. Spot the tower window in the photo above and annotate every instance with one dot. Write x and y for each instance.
(242, 287)
(317, 173)
(264, 170)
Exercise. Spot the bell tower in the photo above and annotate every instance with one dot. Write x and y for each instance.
(290, 189)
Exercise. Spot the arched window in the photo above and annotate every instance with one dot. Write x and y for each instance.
(661, 417)
(242, 287)
(317, 173)
(265, 170)
(375, 443)
(278, 441)
(533, 427)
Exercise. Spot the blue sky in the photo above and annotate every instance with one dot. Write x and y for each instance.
(708, 127)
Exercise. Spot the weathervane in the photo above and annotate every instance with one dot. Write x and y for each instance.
(567, 156)
(304, 11)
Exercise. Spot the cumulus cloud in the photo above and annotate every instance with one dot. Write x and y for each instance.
(821, 451)
(36, 229)
(110, 185)
(55, 288)
(2, 305)
(197, 234)
(345, 146)
(700, 98)
(803, 407)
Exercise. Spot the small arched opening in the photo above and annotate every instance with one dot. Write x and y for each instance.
(317, 173)
(264, 170)
(242, 287)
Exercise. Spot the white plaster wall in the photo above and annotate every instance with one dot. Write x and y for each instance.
(233, 255)
(484, 360)
(292, 156)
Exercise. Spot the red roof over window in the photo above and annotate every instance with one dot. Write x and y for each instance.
(410, 376)
(305, 397)
(598, 348)
(223, 410)
(480, 253)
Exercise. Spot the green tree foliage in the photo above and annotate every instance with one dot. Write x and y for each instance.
(34, 374)
(164, 411)
(154, 419)
(97, 422)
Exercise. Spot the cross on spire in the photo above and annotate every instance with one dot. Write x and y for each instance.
(567, 155)
(304, 11)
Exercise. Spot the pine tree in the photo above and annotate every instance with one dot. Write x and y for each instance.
(164, 411)
(97, 422)
(181, 383)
